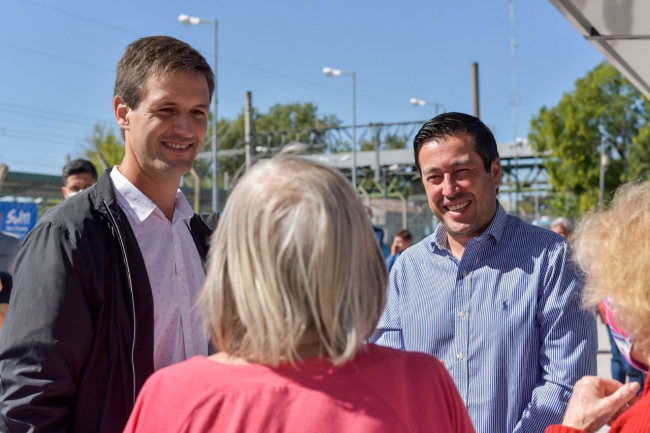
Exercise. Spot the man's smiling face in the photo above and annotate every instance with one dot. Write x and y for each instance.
(461, 194)
(166, 130)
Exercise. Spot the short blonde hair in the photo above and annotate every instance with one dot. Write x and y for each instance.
(613, 248)
(293, 258)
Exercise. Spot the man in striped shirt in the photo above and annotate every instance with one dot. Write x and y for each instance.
(494, 297)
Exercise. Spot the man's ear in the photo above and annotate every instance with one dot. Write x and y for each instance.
(64, 192)
(121, 113)
(496, 172)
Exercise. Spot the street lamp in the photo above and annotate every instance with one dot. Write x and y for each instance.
(330, 72)
(422, 103)
(187, 21)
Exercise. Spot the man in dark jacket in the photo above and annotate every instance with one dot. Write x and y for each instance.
(105, 283)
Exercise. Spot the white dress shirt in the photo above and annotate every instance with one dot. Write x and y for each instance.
(175, 272)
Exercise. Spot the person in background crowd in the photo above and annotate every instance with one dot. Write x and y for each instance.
(9, 247)
(290, 309)
(492, 296)
(618, 275)
(379, 233)
(107, 280)
(77, 176)
(402, 240)
(6, 284)
(563, 227)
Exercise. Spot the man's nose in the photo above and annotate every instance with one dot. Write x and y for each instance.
(183, 125)
(449, 185)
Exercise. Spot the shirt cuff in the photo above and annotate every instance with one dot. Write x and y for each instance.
(563, 429)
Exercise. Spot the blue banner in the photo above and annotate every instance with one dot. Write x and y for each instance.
(18, 218)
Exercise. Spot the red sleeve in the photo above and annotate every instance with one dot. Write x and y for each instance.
(154, 410)
(563, 429)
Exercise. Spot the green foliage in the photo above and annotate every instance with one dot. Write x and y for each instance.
(105, 141)
(604, 105)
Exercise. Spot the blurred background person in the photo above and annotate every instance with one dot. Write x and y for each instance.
(563, 227)
(379, 233)
(293, 292)
(6, 284)
(402, 240)
(613, 248)
(77, 176)
(9, 247)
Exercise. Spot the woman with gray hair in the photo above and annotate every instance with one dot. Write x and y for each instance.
(613, 248)
(295, 286)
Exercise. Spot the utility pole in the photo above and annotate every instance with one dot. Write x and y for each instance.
(475, 89)
(248, 129)
(513, 47)
(604, 162)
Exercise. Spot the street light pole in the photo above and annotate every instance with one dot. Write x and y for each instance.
(187, 20)
(354, 130)
(421, 103)
(337, 73)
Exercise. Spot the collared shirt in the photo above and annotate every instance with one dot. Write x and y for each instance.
(390, 261)
(506, 319)
(9, 247)
(175, 271)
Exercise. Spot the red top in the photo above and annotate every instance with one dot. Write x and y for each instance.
(635, 420)
(382, 390)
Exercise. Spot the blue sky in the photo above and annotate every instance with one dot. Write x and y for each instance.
(58, 61)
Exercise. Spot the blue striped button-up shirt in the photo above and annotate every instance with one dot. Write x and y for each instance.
(506, 319)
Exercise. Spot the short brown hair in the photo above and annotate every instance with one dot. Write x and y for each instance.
(156, 55)
(404, 234)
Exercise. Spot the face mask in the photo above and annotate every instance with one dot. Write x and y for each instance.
(623, 340)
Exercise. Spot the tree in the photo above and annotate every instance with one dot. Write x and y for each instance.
(603, 106)
(104, 141)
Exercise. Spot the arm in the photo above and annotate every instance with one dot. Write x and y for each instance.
(389, 328)
(390, 261)
(47, 334)
(568, 343)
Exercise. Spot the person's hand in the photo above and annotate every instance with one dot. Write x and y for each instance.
(597, 401)
(396, 247)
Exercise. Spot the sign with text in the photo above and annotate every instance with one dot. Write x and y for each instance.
(18, 218)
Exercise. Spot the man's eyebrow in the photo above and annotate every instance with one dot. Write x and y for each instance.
(168, 102)
(458, 162)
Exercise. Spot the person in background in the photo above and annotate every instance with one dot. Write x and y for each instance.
(492, 296)
(402, 240)
(77, 176)
(9, 247)
(613, 248)
(563, 227)
(6, 284)
(379, 233)
(290, 310)
(107, 280)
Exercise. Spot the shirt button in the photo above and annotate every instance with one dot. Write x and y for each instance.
(464, 273)
(461, 313)
(460, 356)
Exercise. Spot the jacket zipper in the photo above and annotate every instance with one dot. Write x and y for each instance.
(128, 274)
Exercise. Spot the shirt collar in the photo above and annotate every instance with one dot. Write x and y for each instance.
(494, 230)
(139, 206)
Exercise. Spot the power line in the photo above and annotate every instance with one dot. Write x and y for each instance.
(66, 116)
(84, 18)
(52, 56)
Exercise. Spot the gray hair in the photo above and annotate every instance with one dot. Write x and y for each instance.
(564, 222)
(294, 261)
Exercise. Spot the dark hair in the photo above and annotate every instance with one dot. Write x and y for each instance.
(458, 125)
(78, 166)
(404, 234)
(7, 285)
(156, 55)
